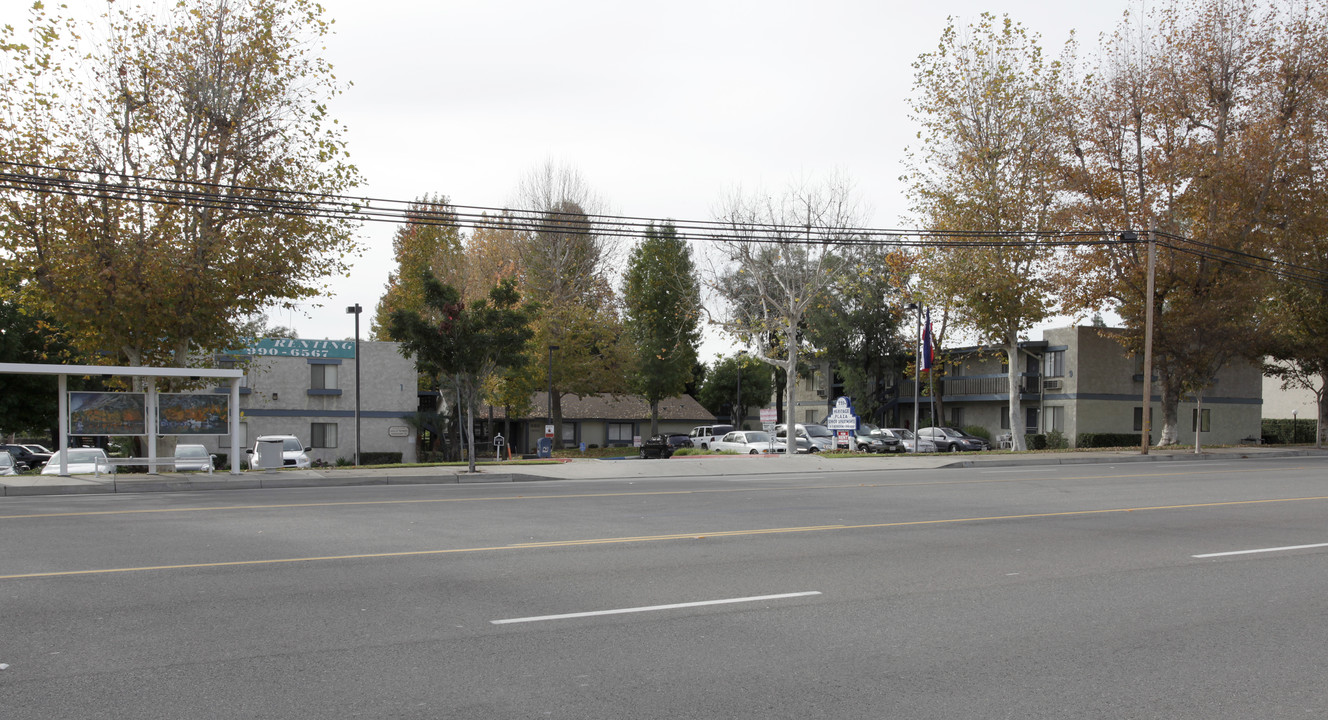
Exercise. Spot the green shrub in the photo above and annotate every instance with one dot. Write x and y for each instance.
(1107, 440)
(342, 462)
(1282, 432)
(978, 431)
(380, 458)
(1035, 441)
(1056, 440)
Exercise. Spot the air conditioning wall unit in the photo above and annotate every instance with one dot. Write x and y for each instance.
(1051, 385)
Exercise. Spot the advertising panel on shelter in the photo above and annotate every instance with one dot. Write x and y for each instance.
(107, 413)
(191, 414)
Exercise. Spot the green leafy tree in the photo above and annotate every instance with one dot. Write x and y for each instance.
(724, 389)
(857, 325)
(465, 345)
(1200, 119)
(429, 240)
(29, 404)
(222, 101)
(989, 106)
(663, 308)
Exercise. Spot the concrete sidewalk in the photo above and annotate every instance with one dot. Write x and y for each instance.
(608, 469)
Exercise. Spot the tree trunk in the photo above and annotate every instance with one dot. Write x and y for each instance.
(654, 417)
(1321, 425)
(1198, 422)
(1170, 409)
(790, 389)
(1012, 376)
(470, 432)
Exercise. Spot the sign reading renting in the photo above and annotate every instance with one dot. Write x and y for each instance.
(295, 347)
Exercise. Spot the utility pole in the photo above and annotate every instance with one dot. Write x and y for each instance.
(1147, 424)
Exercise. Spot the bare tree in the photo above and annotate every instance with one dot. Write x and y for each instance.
(566, 264)
(786, 252)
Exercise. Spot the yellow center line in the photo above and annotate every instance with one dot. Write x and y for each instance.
(652, 538)
(643, 493)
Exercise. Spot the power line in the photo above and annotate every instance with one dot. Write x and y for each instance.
(89, 184)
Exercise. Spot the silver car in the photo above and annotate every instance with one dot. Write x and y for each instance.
(910, 440)
(7, 464)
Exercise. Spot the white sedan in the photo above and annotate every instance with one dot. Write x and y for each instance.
(747, 442)
(81, 461)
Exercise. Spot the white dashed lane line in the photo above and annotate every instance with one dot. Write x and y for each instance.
(1260, 550)
(653, 608)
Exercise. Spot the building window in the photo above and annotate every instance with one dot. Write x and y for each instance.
(956, 417)
(1206, 420)
(569, 433)
(241, 438)
(1054, 363)
(620, 432)
(323, 377)
(324, 434)
(1139, 419)
(1005, 419)
(1055, 419)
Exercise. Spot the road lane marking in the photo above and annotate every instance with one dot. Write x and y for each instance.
(653, 608)
(573, 496)
(653, 538)
(1260, 550)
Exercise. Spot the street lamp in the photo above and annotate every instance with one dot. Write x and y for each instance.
(551, 349)
(917, 374)
(356, 310)
(1295, 427)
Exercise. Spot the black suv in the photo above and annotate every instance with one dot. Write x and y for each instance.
(657, 446)
(24, 457)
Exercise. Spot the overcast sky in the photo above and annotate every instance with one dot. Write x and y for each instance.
(663, 108)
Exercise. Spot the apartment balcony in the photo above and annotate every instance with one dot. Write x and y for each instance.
(976, 387)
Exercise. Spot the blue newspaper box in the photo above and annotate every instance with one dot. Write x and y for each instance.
(544, 447)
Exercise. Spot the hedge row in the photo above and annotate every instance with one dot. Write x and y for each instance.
(380, 458)
(1099, 440)
(1283, 432)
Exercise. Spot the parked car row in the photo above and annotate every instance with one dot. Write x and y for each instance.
(186, 458)
(27, 457)
(813, 438)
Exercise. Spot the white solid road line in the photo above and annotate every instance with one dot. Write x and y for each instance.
(1261, 550)
(654, 607)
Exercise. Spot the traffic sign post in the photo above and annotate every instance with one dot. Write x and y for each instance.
(498, 443)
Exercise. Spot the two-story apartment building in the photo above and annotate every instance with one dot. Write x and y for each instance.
(1081, 380)
(306, 388)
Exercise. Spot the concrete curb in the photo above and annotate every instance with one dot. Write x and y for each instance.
(280, 480)
(1100, 460)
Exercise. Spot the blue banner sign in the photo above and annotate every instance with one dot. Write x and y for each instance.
(294, 347)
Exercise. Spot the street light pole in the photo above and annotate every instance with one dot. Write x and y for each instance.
(356, 310)
(550, 424)
(917, 374)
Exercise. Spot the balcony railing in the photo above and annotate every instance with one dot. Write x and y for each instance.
(957, 387)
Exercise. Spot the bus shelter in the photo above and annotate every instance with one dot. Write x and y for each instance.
(149, 375)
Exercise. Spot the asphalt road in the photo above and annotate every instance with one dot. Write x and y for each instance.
(1039, 592)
